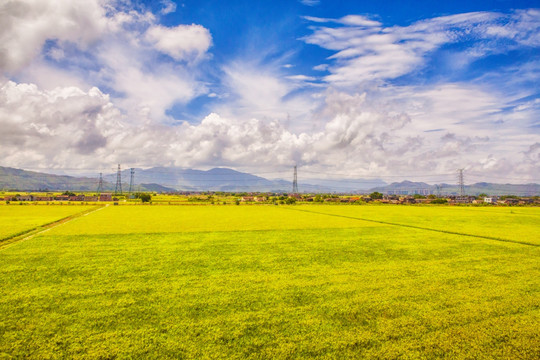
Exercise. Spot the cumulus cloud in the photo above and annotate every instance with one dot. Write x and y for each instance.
(27, 24)
(107, 44)
(71, 128)
(183, 42)
(38, 126)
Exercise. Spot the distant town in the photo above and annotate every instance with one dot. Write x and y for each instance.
(224, 198)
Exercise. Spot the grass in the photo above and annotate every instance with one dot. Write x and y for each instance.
(180, 219)
(15, 219)
(513, 224)
(267, 282)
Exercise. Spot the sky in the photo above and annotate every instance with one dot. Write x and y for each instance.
(351, 89)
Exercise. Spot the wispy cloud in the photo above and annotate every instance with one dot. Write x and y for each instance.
(310, 2)
(367, 51)
(168, 7)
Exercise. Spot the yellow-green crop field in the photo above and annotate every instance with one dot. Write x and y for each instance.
(283, 282)
(15, 220)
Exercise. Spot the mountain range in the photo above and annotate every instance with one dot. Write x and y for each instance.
(409, 187)
(168, 179)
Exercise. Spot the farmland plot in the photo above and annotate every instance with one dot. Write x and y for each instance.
(265, 282)
(15, 219)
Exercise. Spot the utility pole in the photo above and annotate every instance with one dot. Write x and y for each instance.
(461, 183)
(118, 187)
(131, 180)
(100, 184)
(295, 181)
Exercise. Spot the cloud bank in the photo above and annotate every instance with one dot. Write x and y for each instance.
(87, 84)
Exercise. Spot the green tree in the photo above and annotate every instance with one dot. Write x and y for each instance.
(145, 197)
(290, 201)
(439, 201)
(376, 195)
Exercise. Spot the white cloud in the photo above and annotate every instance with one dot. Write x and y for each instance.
(27, 24)
(365, 134)
(353, 20)
(264, 117)
(262, 92)
(47, 126)
(182, 43)
(367, 51)
(310, 2)
(301, 78)
(168, 7)
(358, 20)
(145, 93)
(107, 44)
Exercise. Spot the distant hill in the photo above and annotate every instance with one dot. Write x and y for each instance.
(17, 179)
(224, 179)
(167, 179)
(22, 180)
(409, 187)
(217, 179)
(154, 188)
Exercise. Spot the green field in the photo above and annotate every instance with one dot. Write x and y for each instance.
(286, 282)
(15, 220)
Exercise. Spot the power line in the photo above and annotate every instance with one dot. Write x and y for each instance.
(100, 184)
(132, 170)
(364, 176)
(118, 182)
(295, 181)
(461, 183)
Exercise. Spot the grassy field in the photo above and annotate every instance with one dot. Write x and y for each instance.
(234, 282)
(16, 219)
(514, 224)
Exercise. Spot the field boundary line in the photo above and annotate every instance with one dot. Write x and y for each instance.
(420, 227)
(30, 233)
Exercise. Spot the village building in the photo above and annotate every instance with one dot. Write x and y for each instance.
(105, 197)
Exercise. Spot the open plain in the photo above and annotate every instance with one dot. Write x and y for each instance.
(286, 282)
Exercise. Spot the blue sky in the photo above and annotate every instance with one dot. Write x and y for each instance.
(341, 88)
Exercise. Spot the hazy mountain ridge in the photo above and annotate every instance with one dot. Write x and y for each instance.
(23, 180)
(167, 179)
(409, 187)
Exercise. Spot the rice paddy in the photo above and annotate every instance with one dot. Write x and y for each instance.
(285, 282)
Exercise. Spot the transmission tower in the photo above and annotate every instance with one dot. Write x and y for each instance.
(131, 179)
(295, 181)
(118, 187)
(461, 183)
(100, 184)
